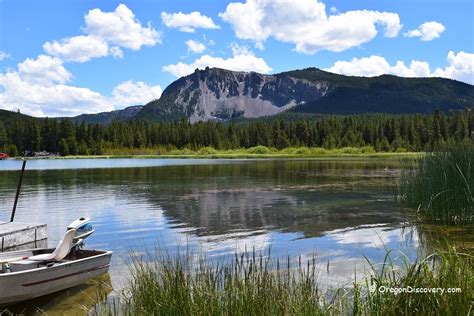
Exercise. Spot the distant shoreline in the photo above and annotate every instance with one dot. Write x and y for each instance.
(338, 156)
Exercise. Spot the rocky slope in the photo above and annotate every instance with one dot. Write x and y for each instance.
(218, 94)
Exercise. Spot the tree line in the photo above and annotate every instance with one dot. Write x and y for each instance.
(24, 135)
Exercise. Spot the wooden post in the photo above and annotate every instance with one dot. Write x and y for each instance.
(18, 190)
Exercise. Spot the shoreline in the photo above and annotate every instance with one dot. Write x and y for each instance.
(337, 156)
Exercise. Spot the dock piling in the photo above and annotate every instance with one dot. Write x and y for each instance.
(18, 191)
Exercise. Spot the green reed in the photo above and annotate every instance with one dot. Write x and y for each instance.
(442, 185)
(253, 284)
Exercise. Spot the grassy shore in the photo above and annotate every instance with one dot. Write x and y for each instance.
(253, 153)
(441, 185)
(254, 284)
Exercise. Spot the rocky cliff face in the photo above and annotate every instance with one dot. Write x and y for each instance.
(218, 94)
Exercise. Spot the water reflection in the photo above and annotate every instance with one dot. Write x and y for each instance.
(74, 301)
(339, 211)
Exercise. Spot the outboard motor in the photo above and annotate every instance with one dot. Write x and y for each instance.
(83, 229)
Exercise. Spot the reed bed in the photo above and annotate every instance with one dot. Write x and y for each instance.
(441, 185)
(254, 284)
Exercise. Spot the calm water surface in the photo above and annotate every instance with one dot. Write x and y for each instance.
(339, 211)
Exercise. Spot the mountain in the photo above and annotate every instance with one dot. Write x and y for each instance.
(385, 94)
(10, 117)
(216, 94)
(219, 94)
(107, 117)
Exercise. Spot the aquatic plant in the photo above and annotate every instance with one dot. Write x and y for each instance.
(442, 184)
(254, 284)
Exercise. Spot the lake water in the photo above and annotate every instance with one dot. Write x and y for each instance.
(339, 211)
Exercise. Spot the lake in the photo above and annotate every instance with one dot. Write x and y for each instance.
(336, 210)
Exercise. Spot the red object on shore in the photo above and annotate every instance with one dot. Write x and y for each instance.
(3, 156)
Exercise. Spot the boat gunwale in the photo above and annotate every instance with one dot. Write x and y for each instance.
(104, 253)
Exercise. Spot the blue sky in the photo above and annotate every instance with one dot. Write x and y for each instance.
(62, 58)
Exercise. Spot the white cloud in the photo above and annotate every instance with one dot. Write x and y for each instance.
(78, 48)
(460, 67)
(242, 60)
(377, 65)
(106, 33)
(3, 55)
(259, 45)
(120, 28)
(116, 52)
(427, 31)
(240, 50)
(135, 93)
(38, 87)
(306, 24)
(45, 70)
(195, 47)
(48, 99)
(187, 22)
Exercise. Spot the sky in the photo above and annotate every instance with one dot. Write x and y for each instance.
(65, 57)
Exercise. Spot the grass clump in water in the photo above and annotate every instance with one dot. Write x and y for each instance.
(247, 285)
(252, 284)
(420, 288)
(442, 185)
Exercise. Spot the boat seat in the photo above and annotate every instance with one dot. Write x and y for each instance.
(62, 249)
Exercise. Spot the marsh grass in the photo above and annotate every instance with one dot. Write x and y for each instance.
(442, 184)
(445, 270)
(254, 284)
(253, 152)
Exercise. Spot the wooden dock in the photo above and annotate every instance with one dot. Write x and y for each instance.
(14, 234)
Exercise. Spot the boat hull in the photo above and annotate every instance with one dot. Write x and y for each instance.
(28, 284)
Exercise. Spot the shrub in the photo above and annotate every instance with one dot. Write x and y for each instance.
(207, 151)
(260, 150)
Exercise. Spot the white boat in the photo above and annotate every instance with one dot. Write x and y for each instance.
(26, 274)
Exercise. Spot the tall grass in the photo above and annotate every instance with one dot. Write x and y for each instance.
(444, 270)
(442, 185)
(253, 284)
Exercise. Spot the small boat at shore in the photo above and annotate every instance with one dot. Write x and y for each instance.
(26, 274)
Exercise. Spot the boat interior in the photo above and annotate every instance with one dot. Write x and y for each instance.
(23, 263)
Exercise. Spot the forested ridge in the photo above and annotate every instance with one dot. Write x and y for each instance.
(20, 134)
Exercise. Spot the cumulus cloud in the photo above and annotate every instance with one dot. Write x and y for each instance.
(427, 31)
(78, 48)
(306, 24)
(48, 99)
(460, 67)
(45, 70)
(187, 22)
(377, 65)
(195, 47)
(106, 33)
(41, 87)
(3, 55)
(242, 60)
(135, 93)
(120, 28)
